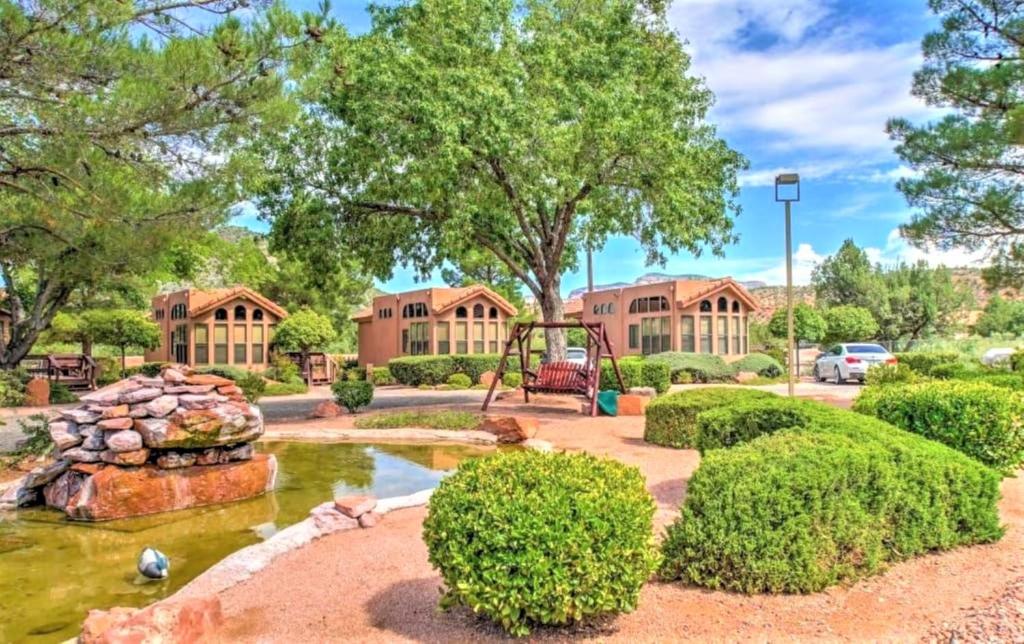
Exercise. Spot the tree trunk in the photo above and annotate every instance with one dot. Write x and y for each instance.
(87, 348)
(552, 310)
(123, 368)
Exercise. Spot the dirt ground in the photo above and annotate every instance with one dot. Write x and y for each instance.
(376, 585)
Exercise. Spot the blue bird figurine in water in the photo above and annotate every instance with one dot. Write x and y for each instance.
(154, 564)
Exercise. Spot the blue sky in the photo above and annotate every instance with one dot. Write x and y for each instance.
(801, 85)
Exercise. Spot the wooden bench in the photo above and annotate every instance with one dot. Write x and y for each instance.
(76, 371)
(558, 378)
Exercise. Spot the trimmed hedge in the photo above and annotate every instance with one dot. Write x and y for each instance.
(806, 508)
(529, 539)
(671, 421)
(923, 362)
(746, 420)
(382, 376)
(512, 379)
(636, 372)
(976, 418)
(759, 363)
(414, 371)
(353, 394)
(459, 381)
(702, 367)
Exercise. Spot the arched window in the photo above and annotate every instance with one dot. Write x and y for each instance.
(649, 305)
(611, 308)
(257, 315)
(723, 305)
(239, 312)
(220, 314)
(421, 310)
(493, 313)
(461, 312)
(705, 306)
(597, 310)
(735, 306)
(478, 311)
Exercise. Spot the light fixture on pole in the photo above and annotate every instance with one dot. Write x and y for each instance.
(787, 190)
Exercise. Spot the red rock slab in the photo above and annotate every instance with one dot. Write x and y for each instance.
(355, 506)
(37, 392)
(632, 405)
(117, 493)
(189, 620)
(208, 379)
(116, 424)
(116, 411)
(511, 429)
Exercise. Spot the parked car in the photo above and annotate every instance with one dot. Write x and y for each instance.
(576, 355)
(850, 361)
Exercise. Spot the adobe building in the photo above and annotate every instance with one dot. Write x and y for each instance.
(693, 316)
(228, 326)
(433, 321)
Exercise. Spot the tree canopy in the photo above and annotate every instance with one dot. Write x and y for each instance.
(121, 328)
(849, 324)
(118, 119)
(808, 324)
(1001, 316)
(304, 331)
(969, 187)
(523, 128)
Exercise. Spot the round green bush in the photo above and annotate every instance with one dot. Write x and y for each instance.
(702, 367)
(252, 385)
(759, 363)
(382, 376)
(671, 421)
(12, 387)
(976, 418)
(459, 381)
(353, 394)
(889, 374)
(805, 508)
(746, 420)
(530, 539)
(923, 362)
(512, 379)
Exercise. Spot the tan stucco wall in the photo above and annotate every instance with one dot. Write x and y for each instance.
(618, 322)
(380, 339)
(164, 353)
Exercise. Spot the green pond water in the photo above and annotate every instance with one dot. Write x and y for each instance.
(52, 571)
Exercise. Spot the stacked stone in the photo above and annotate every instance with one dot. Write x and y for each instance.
(174, 421)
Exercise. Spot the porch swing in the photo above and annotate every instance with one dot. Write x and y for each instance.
(559, 377)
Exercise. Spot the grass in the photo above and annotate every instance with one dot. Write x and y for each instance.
(285, 388)
(445, 419)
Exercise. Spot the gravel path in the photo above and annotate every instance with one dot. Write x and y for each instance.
(376, 585)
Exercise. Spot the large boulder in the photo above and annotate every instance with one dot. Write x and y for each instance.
(194, 428)
(510, 429)
(37, 392)
(117, 493)
(187, 620)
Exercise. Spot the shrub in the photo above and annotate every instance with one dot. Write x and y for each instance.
(656, 375)
(475, 366)
(459, 381)
(60, 394)
(743, 421)
(529, 539)
(636, 372)
(976, 418)
(759, 363)
(224, 371)
(924, 361)
(282, 369)
(382, 376)
(512, 379)
(252, 385)
(806, 508)
(285, 388)
(888, 374)
(702, 367)
(444, 419)
(948, 371)
(671, 421)
(1017, 361)
(36, 441)
(422, 370)
(353, 394)
(12, 387)
(151, 369)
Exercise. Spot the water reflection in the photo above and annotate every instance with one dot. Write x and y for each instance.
(53, 571)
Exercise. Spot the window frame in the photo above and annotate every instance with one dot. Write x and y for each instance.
(688, 341)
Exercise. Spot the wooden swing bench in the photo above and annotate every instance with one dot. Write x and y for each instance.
(561, 377)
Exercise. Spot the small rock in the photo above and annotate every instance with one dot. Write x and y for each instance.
(175, 460)
(173, 376)
(79, 455)
(487, 377)
(162, 406)
(87, 468)
(327, 409)
(538, 445)
(80, 416)
(649, 392)
(369, 519)
(115, 411)
(228, 390)
(193, 401)
(125, 440)
(115, 424)
(208, 379)
(746, 376)
(37, 392)
(110, 394)
(240, 453)
(355, 506)
(187, 620)
(136, 457)
(139, 411)
(189, 389)
(327, 519)
(40, 476)
(59, 492)
(19, 496)
(140, 395)
(64, 434)
(510, 429)
(153, 430)
(146, 381)
(210, 456)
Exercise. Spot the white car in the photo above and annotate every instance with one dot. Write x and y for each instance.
(993, 357)
(850, 361)
(576, 355)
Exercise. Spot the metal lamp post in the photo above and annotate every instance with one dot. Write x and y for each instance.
(787, 190)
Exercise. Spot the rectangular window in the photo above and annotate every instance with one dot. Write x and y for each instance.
(405, 341)
(634, 336)
(257, 345)
(220, 344)
(202, 335)
(461, 337)
(444, 340)
(736, 334)
(418, 340)
(240, 344)
(689, 344)
(723, 335)
(478, 337)
(655, 335)
(705, 334)
(494, 338)
(744, 335)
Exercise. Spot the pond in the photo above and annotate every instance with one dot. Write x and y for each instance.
(53, 571)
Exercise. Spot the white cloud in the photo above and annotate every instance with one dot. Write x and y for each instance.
(804, 260)
(897, 249)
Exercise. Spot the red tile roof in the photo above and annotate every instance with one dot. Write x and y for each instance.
(443, 299)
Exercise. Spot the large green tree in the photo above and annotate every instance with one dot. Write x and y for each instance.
(522, 128)
(476, 267)
(970, 183)
(846, 278)
(117, 123)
